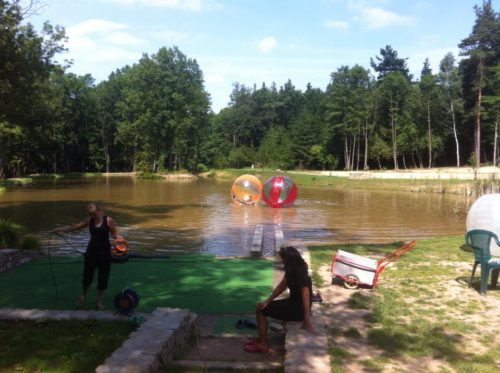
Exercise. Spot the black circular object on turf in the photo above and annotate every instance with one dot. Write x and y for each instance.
(126, 301)
(122, 258)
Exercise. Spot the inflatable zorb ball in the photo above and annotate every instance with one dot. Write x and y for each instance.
(485, 214)
(279, 191)
(246, 190)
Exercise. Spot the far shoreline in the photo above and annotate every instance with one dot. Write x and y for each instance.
(465, 181)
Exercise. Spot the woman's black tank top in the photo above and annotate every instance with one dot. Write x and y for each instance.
(99, 236)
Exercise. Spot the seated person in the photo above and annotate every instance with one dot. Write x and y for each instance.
(295, 308)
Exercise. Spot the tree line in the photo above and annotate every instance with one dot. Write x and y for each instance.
(155, 115)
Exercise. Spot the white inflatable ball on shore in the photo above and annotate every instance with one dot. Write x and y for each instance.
(485, 214)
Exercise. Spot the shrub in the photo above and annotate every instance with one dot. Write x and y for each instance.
(30, 242)
(10, 233)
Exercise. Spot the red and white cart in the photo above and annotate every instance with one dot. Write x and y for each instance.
(356, 270)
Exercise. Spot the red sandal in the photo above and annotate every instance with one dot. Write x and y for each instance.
(251, 341)
(256, 348)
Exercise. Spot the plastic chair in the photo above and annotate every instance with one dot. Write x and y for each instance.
(480, 241)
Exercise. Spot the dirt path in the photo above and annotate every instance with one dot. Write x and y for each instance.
(348, 327)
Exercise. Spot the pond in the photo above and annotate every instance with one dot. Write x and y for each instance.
(198, 215)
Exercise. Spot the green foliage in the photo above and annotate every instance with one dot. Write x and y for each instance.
(13, 236)
(10, 234)
(29, 242)
(389, 62)
(276, 150)
(472, 161)
(242, 156)
(147, 175)
(154, 116)
(482, 51)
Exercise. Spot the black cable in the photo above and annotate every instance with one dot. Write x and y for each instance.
(54, 280)
(70, 244)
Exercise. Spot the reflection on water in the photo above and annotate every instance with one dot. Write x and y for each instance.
(199, 215)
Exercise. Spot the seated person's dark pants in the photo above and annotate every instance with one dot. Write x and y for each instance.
(101, 262)
(285, 309)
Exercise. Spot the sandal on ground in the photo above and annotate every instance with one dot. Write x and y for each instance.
(251, 341)
(80, 302)
(255, 347)
(317, 298)
(250, 324)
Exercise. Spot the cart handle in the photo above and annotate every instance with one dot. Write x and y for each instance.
(389, 258)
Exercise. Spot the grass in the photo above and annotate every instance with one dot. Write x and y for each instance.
(16, 181)
(202, 283)
(335, 182)
(62, 346)
(359, 301)
(337, 355)
(413, 313)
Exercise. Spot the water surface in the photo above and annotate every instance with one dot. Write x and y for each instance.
(199, 215)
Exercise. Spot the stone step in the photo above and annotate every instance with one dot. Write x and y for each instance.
(226, 352)
(153, 345)
(188, 366)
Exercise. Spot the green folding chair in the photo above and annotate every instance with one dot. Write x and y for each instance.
(480, 241)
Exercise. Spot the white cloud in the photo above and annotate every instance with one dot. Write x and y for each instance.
(267, 44)
(337, 24)
(99, 46)
(214, 78)
(94, 26)
(375, 18)
(168, 36)
(98, 37)
(190, 5)
(123, 38)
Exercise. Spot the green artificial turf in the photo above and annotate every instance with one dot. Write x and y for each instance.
(201, 283)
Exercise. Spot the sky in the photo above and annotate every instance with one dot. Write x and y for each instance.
(258, 41)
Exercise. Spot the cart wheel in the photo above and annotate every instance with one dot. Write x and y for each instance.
(351, 282)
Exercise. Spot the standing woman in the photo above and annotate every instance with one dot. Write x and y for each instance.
(98, 254)
(295, 308)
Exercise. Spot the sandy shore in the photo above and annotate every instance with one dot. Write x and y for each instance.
(166, 176)
(462, 173)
